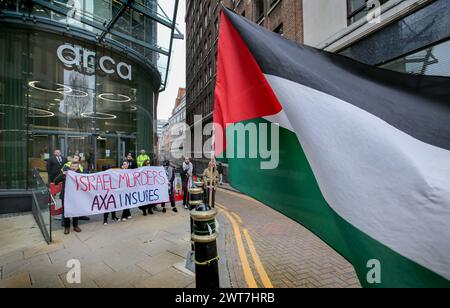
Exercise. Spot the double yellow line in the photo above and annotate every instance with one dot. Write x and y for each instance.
(248, 274)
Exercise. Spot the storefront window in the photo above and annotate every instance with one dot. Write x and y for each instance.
(56, 92)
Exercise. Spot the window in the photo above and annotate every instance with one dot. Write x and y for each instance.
(279, 30)
(434, 61)
(358, 9)
(273, 3)
(259, 9)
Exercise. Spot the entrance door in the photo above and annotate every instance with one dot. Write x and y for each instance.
(107, 152)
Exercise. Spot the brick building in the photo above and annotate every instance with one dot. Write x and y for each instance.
(203, 21)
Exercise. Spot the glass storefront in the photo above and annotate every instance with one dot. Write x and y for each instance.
(58, 92)
(433, 60)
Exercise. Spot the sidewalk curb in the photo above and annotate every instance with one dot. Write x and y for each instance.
(229, 188)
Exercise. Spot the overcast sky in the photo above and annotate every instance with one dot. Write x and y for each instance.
(177, 73)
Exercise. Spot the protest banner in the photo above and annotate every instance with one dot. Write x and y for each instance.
(114, 190)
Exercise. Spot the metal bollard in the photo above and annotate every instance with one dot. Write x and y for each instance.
(205, 247)
(195, 199)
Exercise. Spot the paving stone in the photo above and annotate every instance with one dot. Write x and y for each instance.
(160, 263)
(169, 278)
(124, 278)
(21, 280)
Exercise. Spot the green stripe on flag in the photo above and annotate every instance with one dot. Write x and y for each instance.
(292, 190)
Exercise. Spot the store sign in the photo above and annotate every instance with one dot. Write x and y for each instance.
(70, 56)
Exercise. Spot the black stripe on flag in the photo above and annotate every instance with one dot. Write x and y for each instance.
(417, 105)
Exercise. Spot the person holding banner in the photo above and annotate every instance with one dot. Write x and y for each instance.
(75, 167)
(126, 214)
(113, 214)
(146, 208)
(76, 159)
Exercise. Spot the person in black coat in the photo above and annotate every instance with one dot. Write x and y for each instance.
(170, 172)
(126, 214)
(62, 179)
(54, 165)
(132, 164)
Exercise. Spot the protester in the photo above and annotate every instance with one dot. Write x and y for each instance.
(67, 166)
(54, 165)
(131, 163)
(187, 169)
(75, 159)
(113, 214)
(147, 208)
(142, 158)
(126, 214)
(62, 179)
(211, 181)
(220, 170)
(170, 172)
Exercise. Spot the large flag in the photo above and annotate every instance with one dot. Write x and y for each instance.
(364, 153)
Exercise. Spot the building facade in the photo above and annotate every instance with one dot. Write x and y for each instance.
(411, 36)
(81, 77)
(172, 145)
(161, 124)
(203, 22)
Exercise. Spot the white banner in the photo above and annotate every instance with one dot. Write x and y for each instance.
(114, 190)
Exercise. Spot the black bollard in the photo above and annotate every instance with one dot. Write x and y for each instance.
(195, 199)
(205, 247)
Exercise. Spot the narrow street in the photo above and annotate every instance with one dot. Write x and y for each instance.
(267, 249)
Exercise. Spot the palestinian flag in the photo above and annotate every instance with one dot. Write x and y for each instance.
(364, 153)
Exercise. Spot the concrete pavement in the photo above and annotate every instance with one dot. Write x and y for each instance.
(258, 247)
(143, 252)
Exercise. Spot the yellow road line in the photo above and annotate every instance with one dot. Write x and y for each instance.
(237, 217)
(254, 254)
(258, 264)
(221, 206)
(248, 275)
(239, 195)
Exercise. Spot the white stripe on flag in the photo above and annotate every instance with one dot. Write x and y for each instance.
(386, 183)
